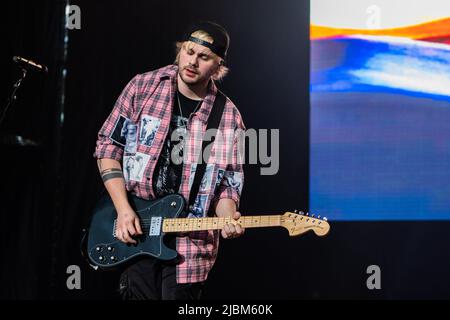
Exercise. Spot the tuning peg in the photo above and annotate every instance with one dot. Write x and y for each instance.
(295, 211)
(307, 213)
(318, 217)
(325, 218)
(312, 215)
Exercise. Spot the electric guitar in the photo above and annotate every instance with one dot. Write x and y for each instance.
(160, 218)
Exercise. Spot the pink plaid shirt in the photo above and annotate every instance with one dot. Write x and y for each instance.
(134, 134)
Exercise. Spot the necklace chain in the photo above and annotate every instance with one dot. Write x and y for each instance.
(181, 112)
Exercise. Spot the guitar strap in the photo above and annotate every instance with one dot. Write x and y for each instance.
(213, 122)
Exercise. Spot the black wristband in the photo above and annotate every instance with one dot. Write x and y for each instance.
(111, 175)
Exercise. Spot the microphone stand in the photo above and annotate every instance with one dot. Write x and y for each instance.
(13, 97)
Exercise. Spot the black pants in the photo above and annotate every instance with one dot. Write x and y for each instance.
(153, 279)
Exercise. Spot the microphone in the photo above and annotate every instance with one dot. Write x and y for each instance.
(30, 65)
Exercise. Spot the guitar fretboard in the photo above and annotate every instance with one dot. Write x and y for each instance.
(200, 224)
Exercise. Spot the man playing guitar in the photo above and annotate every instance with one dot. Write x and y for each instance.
(162, 108)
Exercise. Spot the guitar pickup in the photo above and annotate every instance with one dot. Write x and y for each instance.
(155, 226)
(114, 228)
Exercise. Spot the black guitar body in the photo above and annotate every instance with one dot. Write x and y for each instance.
(105, 251)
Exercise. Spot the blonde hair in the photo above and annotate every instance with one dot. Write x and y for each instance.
(221, 72)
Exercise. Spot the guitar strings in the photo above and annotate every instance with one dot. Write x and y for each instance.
(146, 226)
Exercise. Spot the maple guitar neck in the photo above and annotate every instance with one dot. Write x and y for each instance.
(200, 224)
(295, 223)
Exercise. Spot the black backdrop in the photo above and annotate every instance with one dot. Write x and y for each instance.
(49, 190)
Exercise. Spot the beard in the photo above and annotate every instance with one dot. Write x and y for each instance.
(192, 81)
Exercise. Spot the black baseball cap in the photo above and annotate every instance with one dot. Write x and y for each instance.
(221, 39)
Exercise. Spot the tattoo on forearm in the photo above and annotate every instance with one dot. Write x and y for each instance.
(112, 173)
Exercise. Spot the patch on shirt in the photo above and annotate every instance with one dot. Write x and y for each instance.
(233, 179)
(125, 134)
(134, 166)
(198, 209)
(149, 127)
(179, 121)
(207, 177)
(219, 178)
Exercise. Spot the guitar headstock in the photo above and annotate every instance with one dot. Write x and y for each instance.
(298, 222)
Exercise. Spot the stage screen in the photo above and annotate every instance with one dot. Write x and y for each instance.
(380, 109)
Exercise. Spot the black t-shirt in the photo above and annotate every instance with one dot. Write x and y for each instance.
(168, 170)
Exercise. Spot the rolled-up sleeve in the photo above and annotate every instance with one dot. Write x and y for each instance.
(233, 179)
(106, 146)
(229, 192)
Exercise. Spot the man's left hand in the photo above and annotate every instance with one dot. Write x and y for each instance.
(230, 230)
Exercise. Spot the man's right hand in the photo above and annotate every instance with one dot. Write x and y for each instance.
(127, 226)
